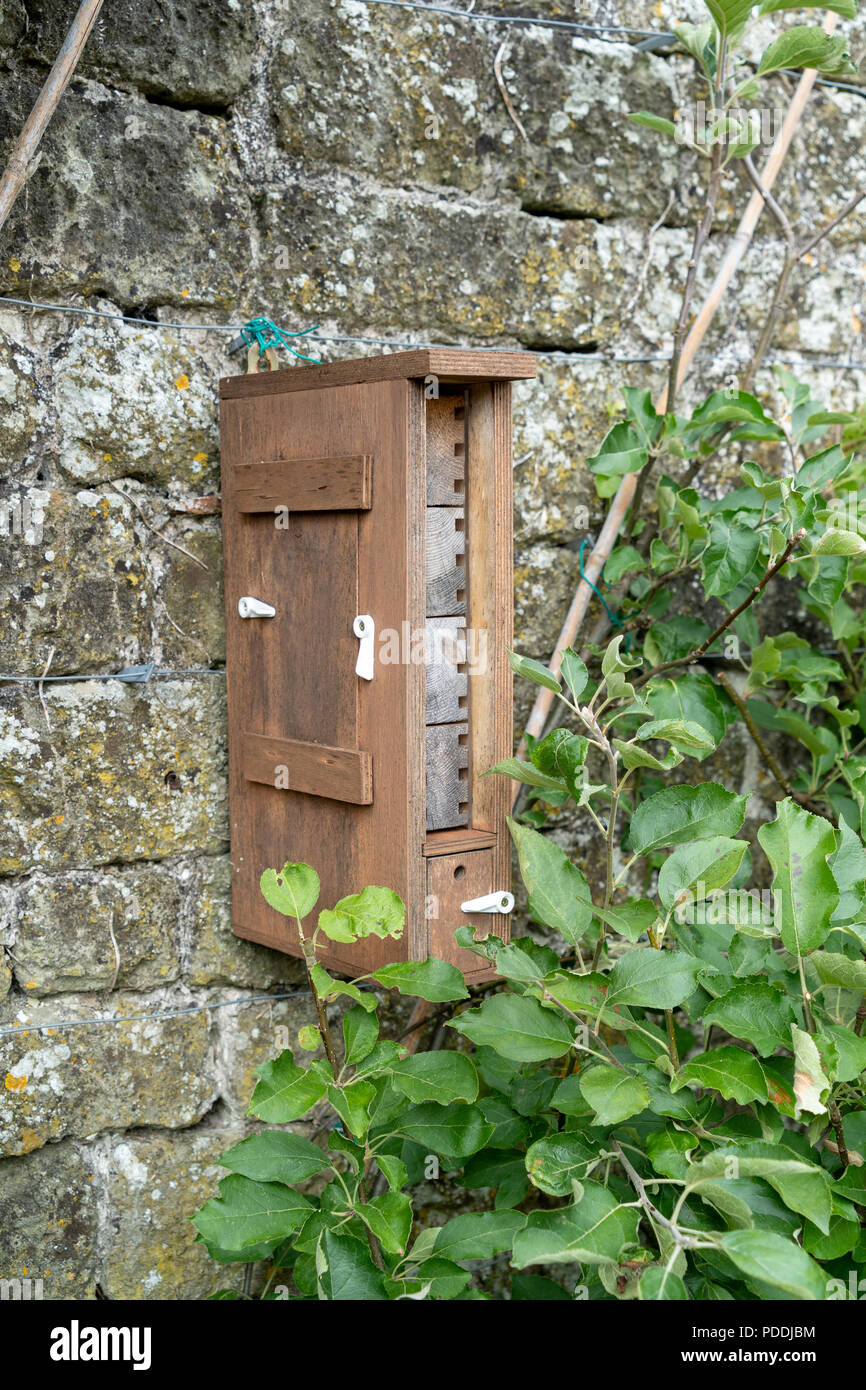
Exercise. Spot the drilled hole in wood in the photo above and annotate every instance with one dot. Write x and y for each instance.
(458, 485)
(458, 449)
(460, 871)
(461, 595)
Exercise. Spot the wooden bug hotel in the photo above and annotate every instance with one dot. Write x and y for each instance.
(367, 527)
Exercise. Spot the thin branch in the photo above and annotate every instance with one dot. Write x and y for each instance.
(21, 161)
(698, 652)
(757, 737)
(500, 82)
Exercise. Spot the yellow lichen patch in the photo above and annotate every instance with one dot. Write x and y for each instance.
(15, 1083)
(14, 263)
(182, 381)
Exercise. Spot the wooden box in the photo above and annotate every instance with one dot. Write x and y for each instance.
(374, 489)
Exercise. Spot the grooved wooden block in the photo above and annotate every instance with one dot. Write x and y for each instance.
(447, 785)
(445, 658)
(444, 567)
(446, 451)
(305, 485)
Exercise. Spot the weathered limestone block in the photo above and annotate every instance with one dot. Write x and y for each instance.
(49, 1229)
(22, 401)
(152, 1184)
(5, 977)
(63, 937)
(126, 772)
(135, 402)
(251, 1034)
(560, 420)
(216, 955)
(75, 581)
(166, 222)
(334, 246)
(545, 577)
(198, 53)
(12, 21)
(403, 96)
(78, 1081)
(191, 598)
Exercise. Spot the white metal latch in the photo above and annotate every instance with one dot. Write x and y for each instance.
(365, 630)
(491, 902)
(250, 607)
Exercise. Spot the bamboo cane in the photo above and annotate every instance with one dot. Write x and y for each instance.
(19, 166)
(622, 500)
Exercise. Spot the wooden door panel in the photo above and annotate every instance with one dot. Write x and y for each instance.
(292, 677)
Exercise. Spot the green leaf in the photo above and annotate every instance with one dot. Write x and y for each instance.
(755, 1012)
(556, 1161)
(431, 979)
(677, 815)
(372, 912)
(390, 1219)
(350, 1275)
(646, 118)
(634, 756)
(730, 556)
(846, 8)
(440, 1076)
(836, 541)
(613, 1094)
(328, 988)
(526, 773)
(803, 1187)
(731, 1071)
(699, 868)
(574, 673)
(395, 1170)
(652, 979)
(360, 1031)
(804, 46)
(659, 1283)
(284, 1091)
(591, 1231)
(517, 1027)
(811, 1086)
(559, 894)
(453, 1130)
(292, 890)
(352, 1103)
(622, 451)
(533, 671)
(275, 1155)
(685, 736)
(247, 1213)
(797, 845)
(624, 560)
(836, 969)
(777, 1262)
(731, 16)
(477, 1235)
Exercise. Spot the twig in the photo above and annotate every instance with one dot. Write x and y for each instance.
(622, 500)
(500, 81)
(20, 164)
(698, 652)
(160, 537)
(41, 691)
(757, 737)
(836, 1122)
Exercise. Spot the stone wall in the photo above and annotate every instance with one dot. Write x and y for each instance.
(323, 161)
